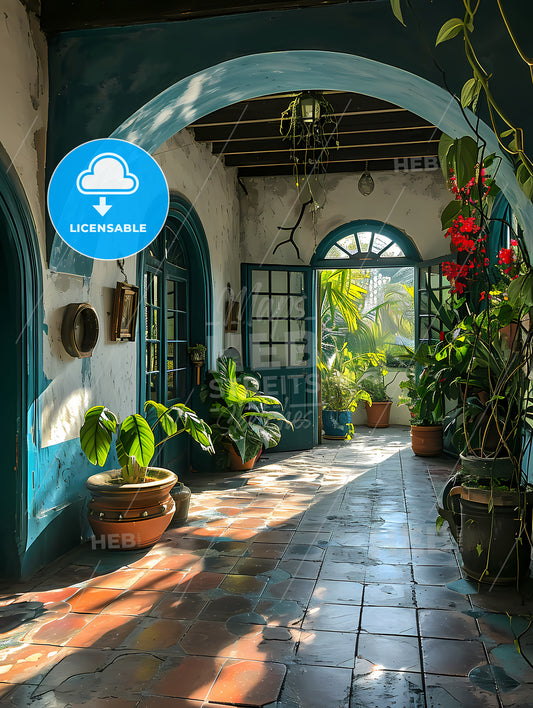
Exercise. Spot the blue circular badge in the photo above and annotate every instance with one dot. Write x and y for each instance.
(108, 199)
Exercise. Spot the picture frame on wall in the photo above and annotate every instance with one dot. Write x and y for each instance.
(124, 318)
(232, 308)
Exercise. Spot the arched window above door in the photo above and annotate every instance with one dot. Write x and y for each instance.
(365, 243)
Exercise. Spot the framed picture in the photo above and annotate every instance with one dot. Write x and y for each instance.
(124, 312)
(232, 315)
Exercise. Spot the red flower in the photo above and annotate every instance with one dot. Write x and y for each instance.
(441, 336)
(505, 256)
(451, 270)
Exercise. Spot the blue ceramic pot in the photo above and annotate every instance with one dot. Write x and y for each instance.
(336, 424)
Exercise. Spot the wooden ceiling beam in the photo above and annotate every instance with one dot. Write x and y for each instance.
(347, 155)
(63, 15)
(374, 166)
(346, 140)
(271, 108)
(397, 119)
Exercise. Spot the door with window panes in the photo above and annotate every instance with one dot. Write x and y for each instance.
(167, 371)
(431, 291)
(280, 344)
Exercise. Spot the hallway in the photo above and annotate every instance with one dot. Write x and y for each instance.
(316, 580)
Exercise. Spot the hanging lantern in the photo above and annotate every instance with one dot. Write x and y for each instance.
(310, 108)
(366, 183)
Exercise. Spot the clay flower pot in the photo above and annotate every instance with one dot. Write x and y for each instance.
(129, 516)
(235, 460)
(426, 440)
(378, 414)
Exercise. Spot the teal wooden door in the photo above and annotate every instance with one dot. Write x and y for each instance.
(279, 343)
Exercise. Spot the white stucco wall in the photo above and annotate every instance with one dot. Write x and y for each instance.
(24, 91)
(195, 173)
(410, 201)
(108, 377)
(399, 415)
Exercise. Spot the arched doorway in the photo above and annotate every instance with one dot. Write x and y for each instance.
(262, 74)
(176, 297)
(20, 358)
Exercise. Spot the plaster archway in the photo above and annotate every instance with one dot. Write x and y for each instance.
(274, 72)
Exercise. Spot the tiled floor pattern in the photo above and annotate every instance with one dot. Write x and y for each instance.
(316, 580)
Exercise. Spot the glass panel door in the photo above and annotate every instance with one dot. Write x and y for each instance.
(166, 337)
(431, 291)
(280, 335)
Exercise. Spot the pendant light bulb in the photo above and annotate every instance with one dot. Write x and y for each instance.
(366, 183)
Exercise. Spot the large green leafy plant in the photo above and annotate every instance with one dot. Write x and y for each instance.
(424, 395)
(340, 375)
(238, 412)
(135, 440)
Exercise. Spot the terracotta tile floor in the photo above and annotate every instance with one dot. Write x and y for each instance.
(316, 580)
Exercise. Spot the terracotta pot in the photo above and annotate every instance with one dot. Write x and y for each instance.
(235, 460)
(378, 414)
(129, 516)
(510, 331)
(426, 440)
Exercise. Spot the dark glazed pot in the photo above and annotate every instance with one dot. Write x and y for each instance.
(182, 498)
(487, 467)
(495, 537)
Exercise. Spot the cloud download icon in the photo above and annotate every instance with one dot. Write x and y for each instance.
(112, 170)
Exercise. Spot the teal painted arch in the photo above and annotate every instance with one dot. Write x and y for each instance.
(267, 73)
(375, 255)
(256, 75)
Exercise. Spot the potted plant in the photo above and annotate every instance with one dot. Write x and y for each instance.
(131, 507)
(491, 375)
(425, 399)
(241, 424)
(197, 356)
(341, 392)
(491, 421)
(310, 125)
(379, 407)
(197, 353)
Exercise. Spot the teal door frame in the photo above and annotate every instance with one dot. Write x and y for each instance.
(193, 242)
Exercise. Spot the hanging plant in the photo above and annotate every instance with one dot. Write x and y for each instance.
(310, 125)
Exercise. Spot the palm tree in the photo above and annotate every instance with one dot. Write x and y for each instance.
(342, 297)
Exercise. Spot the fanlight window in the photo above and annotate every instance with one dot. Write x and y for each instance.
(363, 245)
